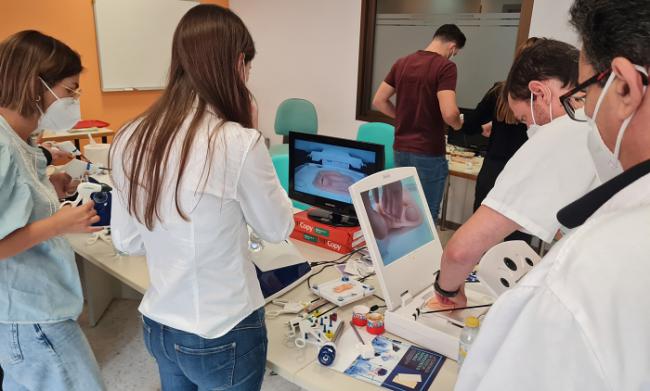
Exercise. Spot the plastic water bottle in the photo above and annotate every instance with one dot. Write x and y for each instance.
(467, 337)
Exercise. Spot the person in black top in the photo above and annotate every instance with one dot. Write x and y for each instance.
(505, 139)
(506, 136)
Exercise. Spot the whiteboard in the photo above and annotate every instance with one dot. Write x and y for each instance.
(134, 41)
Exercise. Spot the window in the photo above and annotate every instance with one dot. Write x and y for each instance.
(391, 29)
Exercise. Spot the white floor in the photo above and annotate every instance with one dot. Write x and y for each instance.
(125, 363)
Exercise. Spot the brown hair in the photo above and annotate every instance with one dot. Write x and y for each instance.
(26, 56)
(206, 69)
(503, 112)
(545, 59)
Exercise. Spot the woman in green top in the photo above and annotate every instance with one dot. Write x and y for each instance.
(41, 345)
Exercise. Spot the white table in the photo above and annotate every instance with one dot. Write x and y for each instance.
(461, 171)
(103, 272)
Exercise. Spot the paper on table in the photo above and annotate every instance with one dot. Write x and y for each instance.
(396, 365)
(410, 377)
(407, 380)
(403, 382)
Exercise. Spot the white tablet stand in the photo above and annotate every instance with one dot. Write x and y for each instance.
(406, 259)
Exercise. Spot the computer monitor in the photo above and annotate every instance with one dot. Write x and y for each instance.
(402, 241)
(321, 168)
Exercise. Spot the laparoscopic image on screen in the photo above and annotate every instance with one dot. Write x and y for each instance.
(328, 171)
(397, 217)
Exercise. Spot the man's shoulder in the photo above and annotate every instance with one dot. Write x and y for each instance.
(549, 171)
(601, 275)
(400, 61)
(563, 129)
(613, 245)
(562, 141)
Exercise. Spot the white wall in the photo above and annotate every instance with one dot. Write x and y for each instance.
(305, 49)
(398, 36)
(551, 20)
(310, 49)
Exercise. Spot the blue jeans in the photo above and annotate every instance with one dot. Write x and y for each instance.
(233, 362)
(433, 172)
(47, 356)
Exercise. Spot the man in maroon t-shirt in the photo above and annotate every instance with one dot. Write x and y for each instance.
(425, 85)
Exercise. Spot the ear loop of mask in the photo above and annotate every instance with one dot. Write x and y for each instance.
(626, 122)
(51, 91)
(550, 106)
(532, 112)
(609, 82)
(48, 88)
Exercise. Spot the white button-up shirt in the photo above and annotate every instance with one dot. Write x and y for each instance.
(551, 169)
(202, 279)
(581, 319)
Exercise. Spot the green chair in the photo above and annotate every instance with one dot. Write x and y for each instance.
(379, 133)
(281, 164)
(293, 115)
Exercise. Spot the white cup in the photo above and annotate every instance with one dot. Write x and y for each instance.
(97, 154)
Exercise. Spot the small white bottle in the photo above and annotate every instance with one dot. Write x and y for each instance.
(467, 337)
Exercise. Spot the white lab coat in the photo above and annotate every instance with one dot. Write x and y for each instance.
(552, 169)
(202, 279)
(581, 319)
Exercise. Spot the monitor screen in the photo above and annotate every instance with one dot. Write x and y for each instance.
(321, 169)
(397, 217)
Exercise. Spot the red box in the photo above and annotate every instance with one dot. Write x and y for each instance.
(326, 243)
(346, 236)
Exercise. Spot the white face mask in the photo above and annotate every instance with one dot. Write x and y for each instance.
(532, 129)
(62, 115)
(607, 164)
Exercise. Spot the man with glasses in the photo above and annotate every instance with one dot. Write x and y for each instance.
(579, 320)
(550, 170)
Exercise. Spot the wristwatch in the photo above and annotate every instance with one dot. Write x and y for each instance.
(442, 292)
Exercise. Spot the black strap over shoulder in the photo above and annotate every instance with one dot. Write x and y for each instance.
(577, 212)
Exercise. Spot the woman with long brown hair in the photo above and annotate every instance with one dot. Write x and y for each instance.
(189, 176)
(42, 346)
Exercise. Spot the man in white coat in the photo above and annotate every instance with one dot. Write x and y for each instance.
(549, 171)
(581, 319)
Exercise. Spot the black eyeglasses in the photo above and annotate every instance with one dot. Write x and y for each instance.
(575, 99)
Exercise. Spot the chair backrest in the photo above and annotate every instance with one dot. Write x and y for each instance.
(281, 165)
(505, 264)
(296, 115)
(379, 133)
